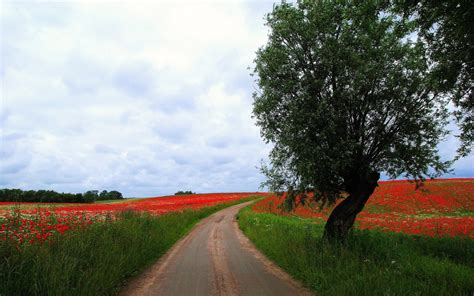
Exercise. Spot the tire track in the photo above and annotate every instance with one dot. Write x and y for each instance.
(224, 282)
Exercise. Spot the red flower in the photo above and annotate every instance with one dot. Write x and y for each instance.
(38, 225)
(396, 206)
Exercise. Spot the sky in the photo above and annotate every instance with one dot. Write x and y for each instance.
(146, 98)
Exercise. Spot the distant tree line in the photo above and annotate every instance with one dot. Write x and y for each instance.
(184, 192)
(18, 195)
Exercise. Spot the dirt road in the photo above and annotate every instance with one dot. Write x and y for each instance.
(214, 259)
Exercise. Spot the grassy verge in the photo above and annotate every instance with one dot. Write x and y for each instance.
(372, 263)
(96, 260)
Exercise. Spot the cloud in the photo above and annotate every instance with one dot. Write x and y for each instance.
(143, 97)
(134, 79)
(147, 98)
(15, 156)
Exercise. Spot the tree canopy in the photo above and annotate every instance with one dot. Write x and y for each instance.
(344, 95)
(447, 28)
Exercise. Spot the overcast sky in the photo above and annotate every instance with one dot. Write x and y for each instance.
(142, 98)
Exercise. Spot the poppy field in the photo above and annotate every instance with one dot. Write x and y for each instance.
(92, 249)
(405, 241)
(443, 207)
(28, 223)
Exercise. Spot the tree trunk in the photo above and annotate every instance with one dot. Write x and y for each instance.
(343, 216)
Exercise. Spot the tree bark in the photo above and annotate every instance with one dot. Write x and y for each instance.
(342, 218)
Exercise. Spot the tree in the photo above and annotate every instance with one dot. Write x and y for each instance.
(446, 27)
(186, 192)
(91, 195)
(103, 195)
(344, 95)
(115, 195)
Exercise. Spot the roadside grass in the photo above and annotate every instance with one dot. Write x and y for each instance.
(371, 262)
(98, 259)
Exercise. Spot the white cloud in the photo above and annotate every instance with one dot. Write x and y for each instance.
(144, 97)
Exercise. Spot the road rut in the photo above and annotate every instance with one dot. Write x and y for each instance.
(215, 258)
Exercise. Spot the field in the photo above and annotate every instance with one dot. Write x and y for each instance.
(442, 207)
(92, 249)
(406, 242)
(34, 222)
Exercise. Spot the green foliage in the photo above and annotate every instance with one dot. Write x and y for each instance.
(91, 195)
(18, 195)
(371, 262)
(446, 27)
(112, 195)
(184, 192)
(344, 93)
(96, 260)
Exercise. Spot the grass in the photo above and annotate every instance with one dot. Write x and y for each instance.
(371, 263)
(96, 260)
(109, 201)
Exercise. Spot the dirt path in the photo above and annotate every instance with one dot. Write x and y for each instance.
(214, 259)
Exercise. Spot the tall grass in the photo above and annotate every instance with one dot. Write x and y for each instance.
(371, 263)
(96, 260)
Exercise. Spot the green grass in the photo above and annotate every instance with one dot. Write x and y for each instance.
(371, 263)
(96, 260)
(108, 201)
